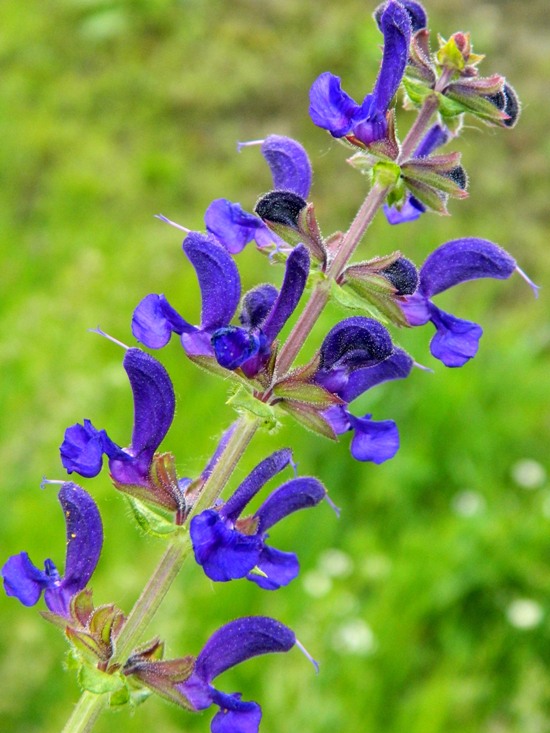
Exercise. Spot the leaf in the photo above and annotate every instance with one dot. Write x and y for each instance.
(294, 389)
(150, 521)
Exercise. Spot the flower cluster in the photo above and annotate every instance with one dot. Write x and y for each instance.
(251, 340)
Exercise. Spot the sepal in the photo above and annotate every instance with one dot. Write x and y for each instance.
(310, 418)
(151, 522)
(244, 403)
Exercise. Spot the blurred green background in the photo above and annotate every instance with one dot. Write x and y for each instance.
(427, 603)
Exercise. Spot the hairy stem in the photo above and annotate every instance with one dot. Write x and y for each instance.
(419, 128)
(85, 713)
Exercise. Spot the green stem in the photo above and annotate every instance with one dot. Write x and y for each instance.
(85, 713)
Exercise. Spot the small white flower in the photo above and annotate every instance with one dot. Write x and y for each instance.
(354, 637)
(529, 474)
(468, 503)
(524, 613)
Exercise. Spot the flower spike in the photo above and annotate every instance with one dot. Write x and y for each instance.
(26, 582)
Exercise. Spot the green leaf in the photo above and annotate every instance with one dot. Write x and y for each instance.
(120, 697)
(350, 300)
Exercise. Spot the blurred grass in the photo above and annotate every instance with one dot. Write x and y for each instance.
(113, 111)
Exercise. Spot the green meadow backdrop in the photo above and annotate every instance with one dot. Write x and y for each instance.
(427, 602)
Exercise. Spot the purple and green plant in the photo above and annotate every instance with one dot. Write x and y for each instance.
(256, 355)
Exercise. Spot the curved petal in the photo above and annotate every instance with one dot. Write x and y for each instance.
(461, 260)
(233, 346)
(240, 640)
(289, 164)
(436, 136)
(395, 24)
(154, 403)
(232, 226)
(330, 107)
(396, 366)
(218, 277)
(256, 305)
(374, 441)
(354, 343)
(154, 321)
(280, 567)
(298, 493)
(294, 283)
(24, 581)
(223, 552)
(456, 341)
(84, 532)
(267, 469)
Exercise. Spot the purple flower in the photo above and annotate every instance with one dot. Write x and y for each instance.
(264, 311)
(138, 469)
(232, 644)
(456, 341)
(334, 110)
(232, 226)
(412, 208)
(374, 441)
(230, 547)
(26, 582)
(188, 681)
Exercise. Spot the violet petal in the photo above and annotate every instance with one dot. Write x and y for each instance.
(330, 107)
(232, 226)
(396, 27)
(374, 441)
(240, 640)
(233, 346)
(289, 164)
(246, 719)
(396, 366)
(355, 343)
(264, 471)
(456, 341)
(256, 305)
(298, 493)
(154, 403)
(23, 580)
(280, 567)
(461, 260)
(218, 277)
(294, 282)
(223, 552)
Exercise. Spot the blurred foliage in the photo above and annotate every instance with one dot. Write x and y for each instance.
(427, 602)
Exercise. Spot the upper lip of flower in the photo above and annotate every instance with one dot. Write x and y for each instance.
(84, 532)
(334, 110)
